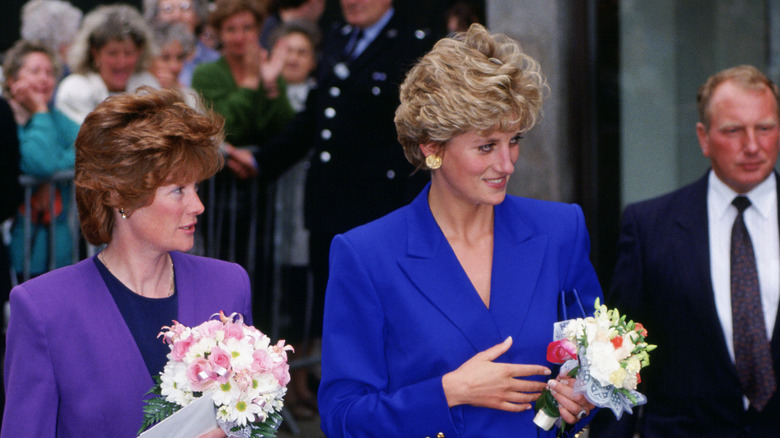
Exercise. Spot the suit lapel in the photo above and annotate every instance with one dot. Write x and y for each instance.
(121, 349)
(692, 247)
(435, 271)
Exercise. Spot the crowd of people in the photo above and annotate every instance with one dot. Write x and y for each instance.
(382, 151)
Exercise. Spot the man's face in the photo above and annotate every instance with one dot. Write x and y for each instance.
(742, 139)
(364, 13)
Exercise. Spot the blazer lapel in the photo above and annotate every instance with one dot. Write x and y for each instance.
(435, 271)
(121, 351)
(517, 261)
(692, 256)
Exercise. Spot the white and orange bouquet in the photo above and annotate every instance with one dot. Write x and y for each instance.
(604, 353)
(234, 364)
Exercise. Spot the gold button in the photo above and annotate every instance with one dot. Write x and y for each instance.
(440, 435)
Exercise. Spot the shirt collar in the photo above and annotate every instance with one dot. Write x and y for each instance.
(371, 32)
(761, 197)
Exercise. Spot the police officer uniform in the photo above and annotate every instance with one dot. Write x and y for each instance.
(357, 171)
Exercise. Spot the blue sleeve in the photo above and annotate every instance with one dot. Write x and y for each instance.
(46, 144)
(354, 396)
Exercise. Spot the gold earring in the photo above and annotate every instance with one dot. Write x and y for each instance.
(122, 212)
(433, 161)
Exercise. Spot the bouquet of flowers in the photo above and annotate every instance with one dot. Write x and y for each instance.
(234, 364)
(604, 353)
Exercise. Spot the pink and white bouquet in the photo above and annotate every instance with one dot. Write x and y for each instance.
(604, 353)
(233, 363)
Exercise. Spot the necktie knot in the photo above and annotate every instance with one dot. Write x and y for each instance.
(741, 202)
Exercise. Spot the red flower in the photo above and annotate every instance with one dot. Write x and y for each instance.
(617, 342)
(640, 329)
(561, 351)
(638, 379)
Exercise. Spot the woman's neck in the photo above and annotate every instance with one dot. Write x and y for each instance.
(459, 219)
(149, 274)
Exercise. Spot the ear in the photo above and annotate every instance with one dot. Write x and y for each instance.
(703, 136)
(430, 148)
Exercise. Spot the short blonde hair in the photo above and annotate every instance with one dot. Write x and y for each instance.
(471, 82)
(746, 76)
(130, 145)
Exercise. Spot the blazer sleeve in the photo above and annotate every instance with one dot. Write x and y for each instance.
(354, 395)
(31, 398)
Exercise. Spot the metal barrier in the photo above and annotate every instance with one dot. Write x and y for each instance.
(30, 183)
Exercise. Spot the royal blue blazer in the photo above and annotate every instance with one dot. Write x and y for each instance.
(400, 312)
(72, 367)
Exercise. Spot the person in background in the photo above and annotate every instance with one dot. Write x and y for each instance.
(438, 315)
(110, 56)
(357, 172)
(53, 23)
(677, 271)
(245, 86)
(82, 340)
(290, 10)
(291, 244)
(12, 196)
(174, 45)
(12, 191)
(193, 14)
(46, 138)
(460, 16)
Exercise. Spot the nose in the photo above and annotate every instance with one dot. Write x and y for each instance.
(751, 141)
(196, 205)
(506, 158)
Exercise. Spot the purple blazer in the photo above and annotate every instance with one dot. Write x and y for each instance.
(72, 368)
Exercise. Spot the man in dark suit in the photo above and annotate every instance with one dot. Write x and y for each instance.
(674, 274)
(357, 171)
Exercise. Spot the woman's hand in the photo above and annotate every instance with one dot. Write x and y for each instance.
(25, 94)
(573, 407)
(216, 433)
(482, 382)
(271, 67)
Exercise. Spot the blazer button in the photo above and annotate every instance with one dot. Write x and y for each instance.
(326, 134)
(440, 435)
(376, 91)
(334, 91)
(330, 113)
(324, 156)
(390, 174)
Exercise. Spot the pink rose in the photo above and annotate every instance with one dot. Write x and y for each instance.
(282, 373)
(209, 328)
(235, 331)
(220, 364)
(180, 348)
(200, 374)
(262, 361)
(561, 351)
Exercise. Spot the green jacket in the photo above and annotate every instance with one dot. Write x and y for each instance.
(251, 117)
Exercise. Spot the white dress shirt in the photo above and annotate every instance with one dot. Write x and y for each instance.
(761, 221)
